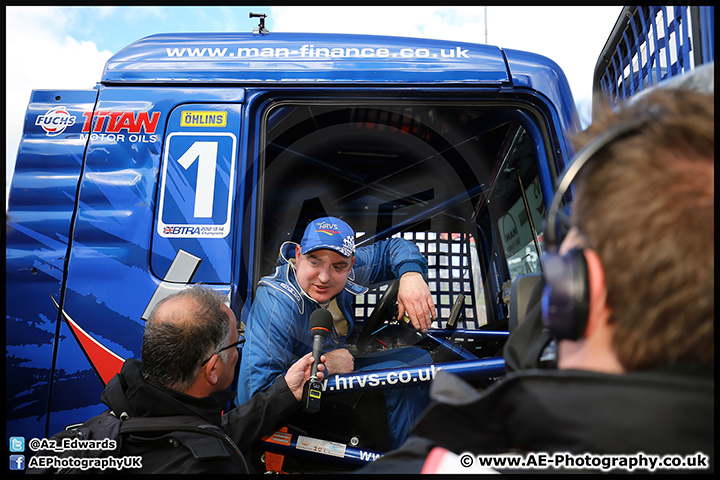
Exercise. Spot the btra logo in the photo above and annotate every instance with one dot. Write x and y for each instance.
(55, 121)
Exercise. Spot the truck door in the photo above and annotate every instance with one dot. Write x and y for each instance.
(155, 212)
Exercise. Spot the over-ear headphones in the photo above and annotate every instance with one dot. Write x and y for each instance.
(566, 290)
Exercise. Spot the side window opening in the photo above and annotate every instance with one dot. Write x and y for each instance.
(420, 171)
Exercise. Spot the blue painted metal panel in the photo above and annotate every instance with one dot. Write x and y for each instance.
(38, 222)
(281, 58)
(544, 76)
(415, 375)
(198, 182)
(707, 29)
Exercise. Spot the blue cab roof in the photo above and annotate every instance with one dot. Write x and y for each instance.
(334, 59)
(300, 57)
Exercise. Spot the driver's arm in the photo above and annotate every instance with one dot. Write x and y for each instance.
(414, 299)
(399, 258)
(339, 361)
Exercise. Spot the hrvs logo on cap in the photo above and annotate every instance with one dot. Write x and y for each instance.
(330, 233)
(327, 228)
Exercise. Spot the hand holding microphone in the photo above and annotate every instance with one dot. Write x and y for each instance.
(320, 325)
(299, 373)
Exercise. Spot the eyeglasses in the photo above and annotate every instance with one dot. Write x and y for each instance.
(232, 345)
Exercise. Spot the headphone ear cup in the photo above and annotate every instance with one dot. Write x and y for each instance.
(566, 294)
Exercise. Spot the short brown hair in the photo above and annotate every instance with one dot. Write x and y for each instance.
(646, 206)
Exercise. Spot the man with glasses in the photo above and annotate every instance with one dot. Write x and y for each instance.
(189, 352)
(326, 271)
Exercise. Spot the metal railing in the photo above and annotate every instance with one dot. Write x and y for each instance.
(649, 45)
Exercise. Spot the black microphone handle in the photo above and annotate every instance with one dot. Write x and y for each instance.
(318, 342)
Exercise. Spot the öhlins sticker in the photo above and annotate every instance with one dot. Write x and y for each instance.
(198, 118)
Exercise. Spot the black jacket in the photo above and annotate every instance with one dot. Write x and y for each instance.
(537, 408)
(180, 451)
(570, 411)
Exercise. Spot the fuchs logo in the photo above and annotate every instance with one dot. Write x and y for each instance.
(55, 121)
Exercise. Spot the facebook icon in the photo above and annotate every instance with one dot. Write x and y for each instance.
(17, 462)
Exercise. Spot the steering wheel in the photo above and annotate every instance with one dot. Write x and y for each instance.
(382, 309)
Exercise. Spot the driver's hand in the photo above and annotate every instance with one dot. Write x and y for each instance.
(414, 299)
(339, 361)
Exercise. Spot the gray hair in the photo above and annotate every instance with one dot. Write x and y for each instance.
(175, 344)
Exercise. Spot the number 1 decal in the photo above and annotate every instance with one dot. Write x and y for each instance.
(196, 186)
(206, 155)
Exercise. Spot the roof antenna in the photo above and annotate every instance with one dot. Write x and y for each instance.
(260, 28)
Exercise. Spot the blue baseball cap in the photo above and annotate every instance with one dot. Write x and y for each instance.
(331, 233)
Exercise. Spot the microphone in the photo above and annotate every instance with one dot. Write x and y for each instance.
(320, 324)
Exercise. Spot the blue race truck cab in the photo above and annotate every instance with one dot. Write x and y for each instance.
(197, 155)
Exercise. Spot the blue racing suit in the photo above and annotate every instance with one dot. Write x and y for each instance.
(278, 333)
